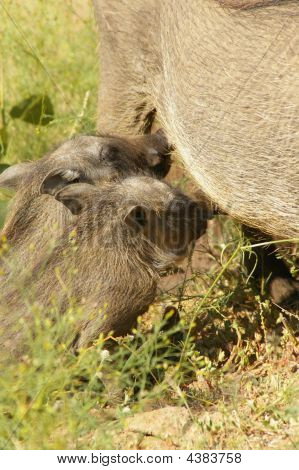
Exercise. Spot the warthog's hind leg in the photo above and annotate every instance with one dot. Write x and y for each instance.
(270, 271)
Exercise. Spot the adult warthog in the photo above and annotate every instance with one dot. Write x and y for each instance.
(222, 78)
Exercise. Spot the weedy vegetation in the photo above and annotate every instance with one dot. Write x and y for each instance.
(228, 370)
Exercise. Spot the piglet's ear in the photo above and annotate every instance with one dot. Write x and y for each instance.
(12, 177)
(59, 178)
(157, 152)
(76, 196)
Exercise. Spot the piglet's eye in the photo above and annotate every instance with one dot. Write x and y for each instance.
(76, 180)
(140, 216)
(109, 152)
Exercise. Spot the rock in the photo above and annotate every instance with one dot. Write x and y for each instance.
(167, 423)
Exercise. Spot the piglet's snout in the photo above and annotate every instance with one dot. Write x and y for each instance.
(195, 221)
(186, 221)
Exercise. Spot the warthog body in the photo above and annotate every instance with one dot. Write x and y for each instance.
(222, 78)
